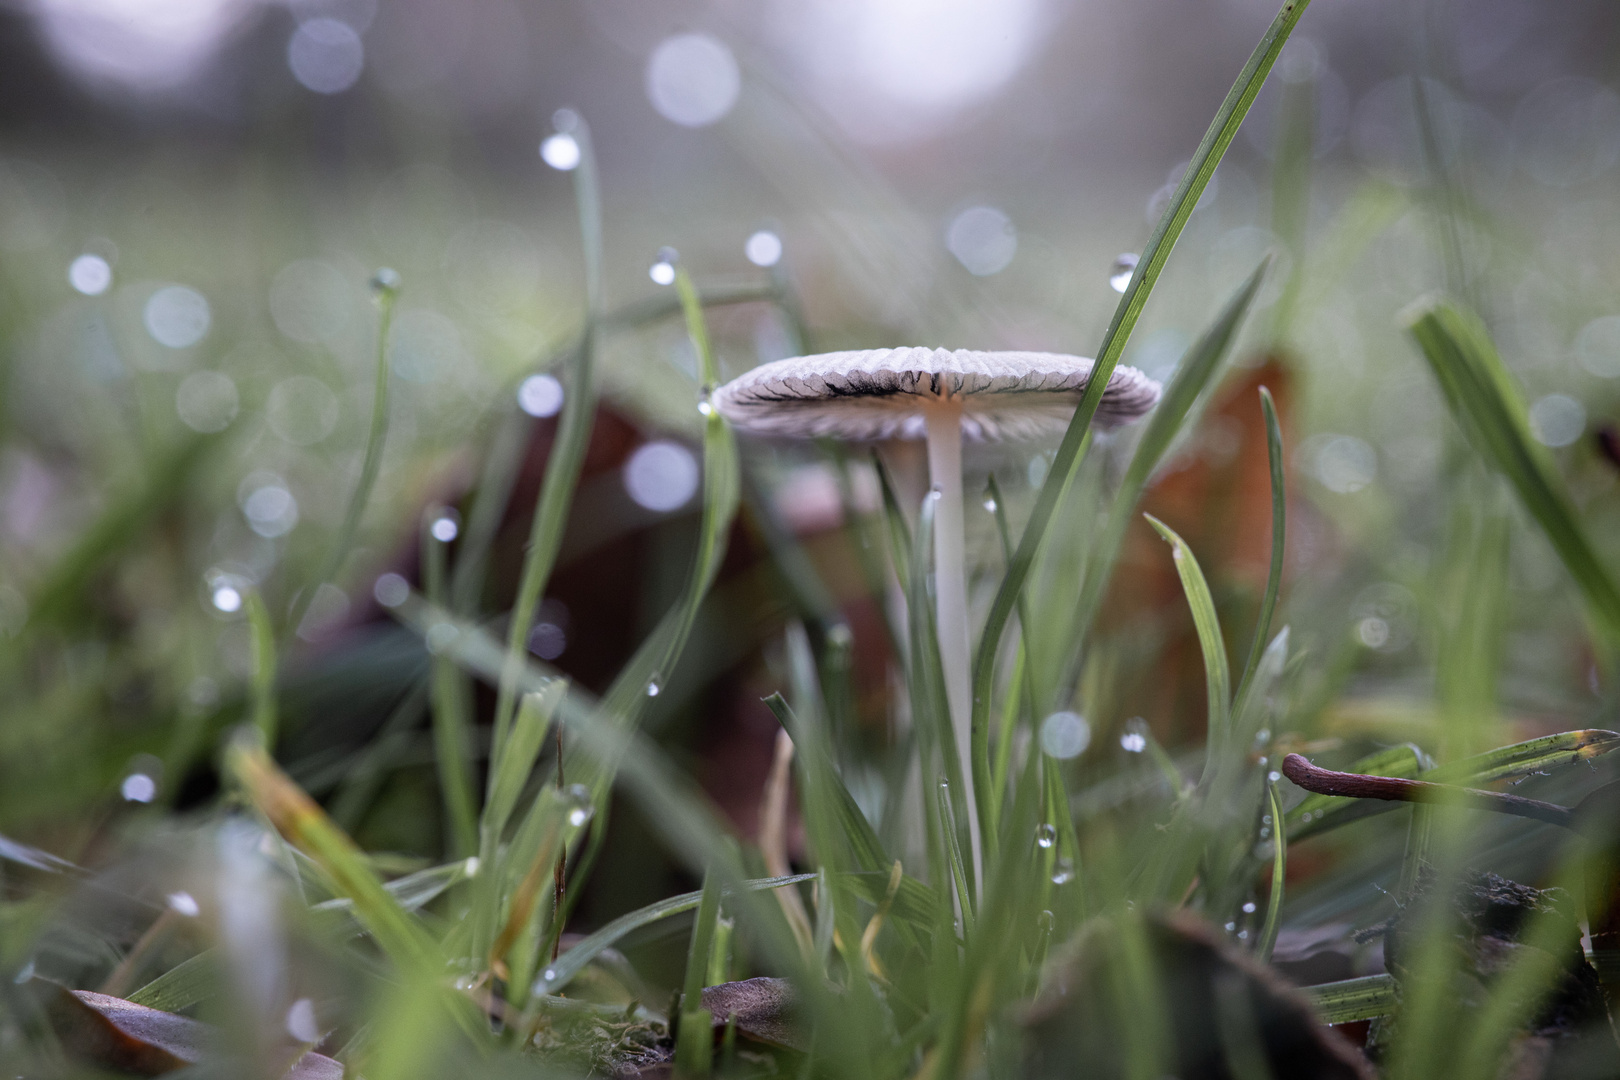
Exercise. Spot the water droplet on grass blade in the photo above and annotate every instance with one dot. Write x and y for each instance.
(138, 787)
(1120, 274)
(662, 270)
(90, 275)
(1064, 872)
(540, 395)
(580, 807)
(764, 248)
(446, 527)
(561, 151)
(1045, 835)
(183, 903)
(652, 688)
(386, 282)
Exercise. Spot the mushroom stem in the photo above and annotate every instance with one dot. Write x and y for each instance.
(944, 423)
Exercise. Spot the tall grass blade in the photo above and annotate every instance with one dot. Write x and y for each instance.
(1195, 374)
(568, 451)
(1279, 516)
(1224, 127)
(1490, 408)
(262, 685)
(385, 286)
(1217, 673)
(1267, 939)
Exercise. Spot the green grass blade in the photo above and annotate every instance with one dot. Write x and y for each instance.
(452, 722)
(1279, 870)
(1349, 1000)
(1217, 675)
(568, 451)
(558, 974)
(386, 288)
(509, 770)
(307, 828)
(1490, 408)
(1224, 127)
(1279, 515)
(262, 685)
(694, 1045)
(1195, 374)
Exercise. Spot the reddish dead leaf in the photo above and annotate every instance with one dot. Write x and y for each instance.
(122, 1035)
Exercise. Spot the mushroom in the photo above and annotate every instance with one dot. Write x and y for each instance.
(943, 396)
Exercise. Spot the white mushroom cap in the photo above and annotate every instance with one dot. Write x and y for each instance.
(882, 394)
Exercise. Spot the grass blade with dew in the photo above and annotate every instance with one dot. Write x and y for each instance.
(1197, 371)
(385, 286)
(1021, 697)
(648, 671)
(510, 440)
(1350, 1000)
(262, 682)
(452, 717)
(1279, 521)
(567, 456)
(1194, 180)
(1490, 408)
(1267, 939)
(675, 810)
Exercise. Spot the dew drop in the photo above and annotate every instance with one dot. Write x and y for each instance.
(1120, 274)
(561, 151)
(138, 787)
(183, 903)
(386, 282)
(705, 408)
(1064, 872)
(1046, 835)
(1231, 926)
(579, 805)
(1248, 907)
(470, 868)
(653, 688)
(662, 271)
(990, 505)
(445, 528)
(1274, 776)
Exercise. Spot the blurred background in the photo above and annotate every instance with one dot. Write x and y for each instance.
(194, 194)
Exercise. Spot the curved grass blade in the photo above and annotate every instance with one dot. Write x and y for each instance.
(1279, 515)
(558, 974)
(1490, 408)
(1349, 1000)
(1217, 675)
(1224, 127)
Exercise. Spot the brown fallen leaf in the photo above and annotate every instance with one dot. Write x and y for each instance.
(765, 1009)
(122, 1035)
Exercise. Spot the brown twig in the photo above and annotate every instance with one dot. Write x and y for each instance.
(1392, 789)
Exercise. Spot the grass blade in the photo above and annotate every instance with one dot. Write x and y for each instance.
(568, 451)
(262, 687)
(1196, 372)
(452, 724)
(1279, 515)
(1224, 127)
(1279, 870)
(1349, 1000)
(572, 962)
(1217, 675)
(385, 286)
(305, 826)
(1490, 408)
